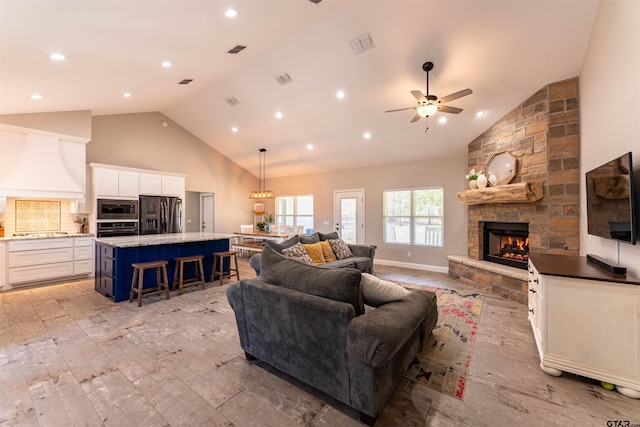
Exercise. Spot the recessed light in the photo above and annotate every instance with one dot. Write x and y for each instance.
(234, 129)
(56, 56)
(126, 95)
(309, 146)
(442, 119)
(480, 113)
(278, 115)
(36, 96)
(166, 64)
(230, 13)
(340, 94)
(366, 135)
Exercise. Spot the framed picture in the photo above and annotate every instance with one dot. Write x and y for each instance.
(258, 208)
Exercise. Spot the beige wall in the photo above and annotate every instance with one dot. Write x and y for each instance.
(74, 123)
(446, 172)
(610, 110)
(140, 141)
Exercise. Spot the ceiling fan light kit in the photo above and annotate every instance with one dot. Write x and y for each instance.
(428, 104)
(262, 194)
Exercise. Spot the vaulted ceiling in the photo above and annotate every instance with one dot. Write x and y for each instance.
(504, 50)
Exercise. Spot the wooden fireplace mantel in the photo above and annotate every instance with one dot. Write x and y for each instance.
(522, 192)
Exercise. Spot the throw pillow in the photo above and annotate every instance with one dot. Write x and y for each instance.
(298, 253)
(327, 252)
(376, 292)
(309, 239)
(340, 248)
(314, 250)
(327, 236)
(338, 284)
(278, 247)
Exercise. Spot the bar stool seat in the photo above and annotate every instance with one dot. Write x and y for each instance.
(178, 276)
(218, 266)
(137, 282)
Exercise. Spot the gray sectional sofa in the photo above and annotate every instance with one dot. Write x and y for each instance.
(362, 258)
(311, 323)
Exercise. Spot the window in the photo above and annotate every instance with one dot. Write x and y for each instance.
(295, 210)
(414, 216)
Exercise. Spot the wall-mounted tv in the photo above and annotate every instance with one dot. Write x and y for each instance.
(611, 209)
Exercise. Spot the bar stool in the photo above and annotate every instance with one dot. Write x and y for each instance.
(218, 266)
(178, 276)
(162, 282)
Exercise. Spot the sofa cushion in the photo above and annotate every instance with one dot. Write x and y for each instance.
(278, 247)
(376, 292)
(327, 236)
(314, 250)
(327, 252)
(340, 248)
(298, 253)
(310, 239)
(338, 284)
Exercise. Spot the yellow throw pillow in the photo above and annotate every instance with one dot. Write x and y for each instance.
(314, 250)
(327, 252)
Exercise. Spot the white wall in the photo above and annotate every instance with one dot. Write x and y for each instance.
(610, 110)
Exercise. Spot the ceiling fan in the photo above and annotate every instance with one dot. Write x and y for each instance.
(428, 105)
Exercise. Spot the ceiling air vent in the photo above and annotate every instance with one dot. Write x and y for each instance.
(232, 101)
(237, 49)
(185, 81)
(283, 78)
(361, 44)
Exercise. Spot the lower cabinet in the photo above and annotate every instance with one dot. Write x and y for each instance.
(585, 324)
(40, 260)
(3, 268)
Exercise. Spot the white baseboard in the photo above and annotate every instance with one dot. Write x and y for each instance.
(424, 267)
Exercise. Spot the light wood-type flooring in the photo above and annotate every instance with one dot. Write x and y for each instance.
(71, 357)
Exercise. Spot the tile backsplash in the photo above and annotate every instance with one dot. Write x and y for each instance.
(25, 216)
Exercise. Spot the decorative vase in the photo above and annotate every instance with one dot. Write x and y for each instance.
(493, 180)
(481, 182)
(473, 184)
(267, 228)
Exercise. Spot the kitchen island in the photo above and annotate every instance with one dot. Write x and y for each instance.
(114, 256)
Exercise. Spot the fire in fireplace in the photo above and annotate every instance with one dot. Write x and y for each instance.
(506, 243)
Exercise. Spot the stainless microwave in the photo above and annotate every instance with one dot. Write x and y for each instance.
(117, 209)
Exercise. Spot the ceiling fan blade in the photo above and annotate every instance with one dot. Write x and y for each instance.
(455, 95)
(418, 95)
(447, 109)
(401, 109)
(416, 118)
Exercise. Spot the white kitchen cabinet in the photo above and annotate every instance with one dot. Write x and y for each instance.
(150, 184)
(83, 255)
(115, 183)
(585, 320)
(3, 268)
(128, 184)
(172, 186)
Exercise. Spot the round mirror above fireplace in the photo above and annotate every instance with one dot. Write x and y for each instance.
(503, 166)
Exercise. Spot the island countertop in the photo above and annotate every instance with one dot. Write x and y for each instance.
(161, 239)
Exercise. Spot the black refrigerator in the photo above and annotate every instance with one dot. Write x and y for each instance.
(160, 215)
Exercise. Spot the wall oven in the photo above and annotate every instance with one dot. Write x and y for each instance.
(117, 209)
(117, 229)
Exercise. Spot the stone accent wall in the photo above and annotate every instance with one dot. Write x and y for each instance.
(543, 133)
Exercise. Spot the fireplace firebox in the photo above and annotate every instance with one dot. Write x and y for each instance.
(506, 243)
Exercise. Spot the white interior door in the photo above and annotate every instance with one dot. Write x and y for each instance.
(349, 215)
(206, 212)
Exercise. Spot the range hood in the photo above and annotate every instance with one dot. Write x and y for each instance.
(41, 165)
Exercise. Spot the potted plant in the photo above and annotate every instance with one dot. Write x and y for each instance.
(472, 176)
(268, 220)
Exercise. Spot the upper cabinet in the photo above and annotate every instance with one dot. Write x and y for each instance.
(173, 185)
(161, 185)
(114, 183)
(123, 182)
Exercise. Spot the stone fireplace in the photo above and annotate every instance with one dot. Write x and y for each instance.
(543, 133)
(506, 243)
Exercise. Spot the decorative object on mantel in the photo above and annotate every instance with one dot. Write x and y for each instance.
(262, 193)
(481, 181)
(493, 181)
(472, 176)
(503, 166)
(522, 192)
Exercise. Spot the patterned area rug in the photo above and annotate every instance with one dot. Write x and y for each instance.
(444, 362)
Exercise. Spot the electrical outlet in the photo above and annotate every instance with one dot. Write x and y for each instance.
(409, 254)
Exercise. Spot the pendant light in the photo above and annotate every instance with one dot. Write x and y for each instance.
(262, 193)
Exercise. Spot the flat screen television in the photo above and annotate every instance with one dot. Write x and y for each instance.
(611, 209)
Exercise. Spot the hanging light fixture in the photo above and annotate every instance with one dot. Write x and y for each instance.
(262, 193)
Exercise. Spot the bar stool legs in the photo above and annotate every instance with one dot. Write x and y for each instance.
(178, 276)
(218, 266)
(137, 282)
